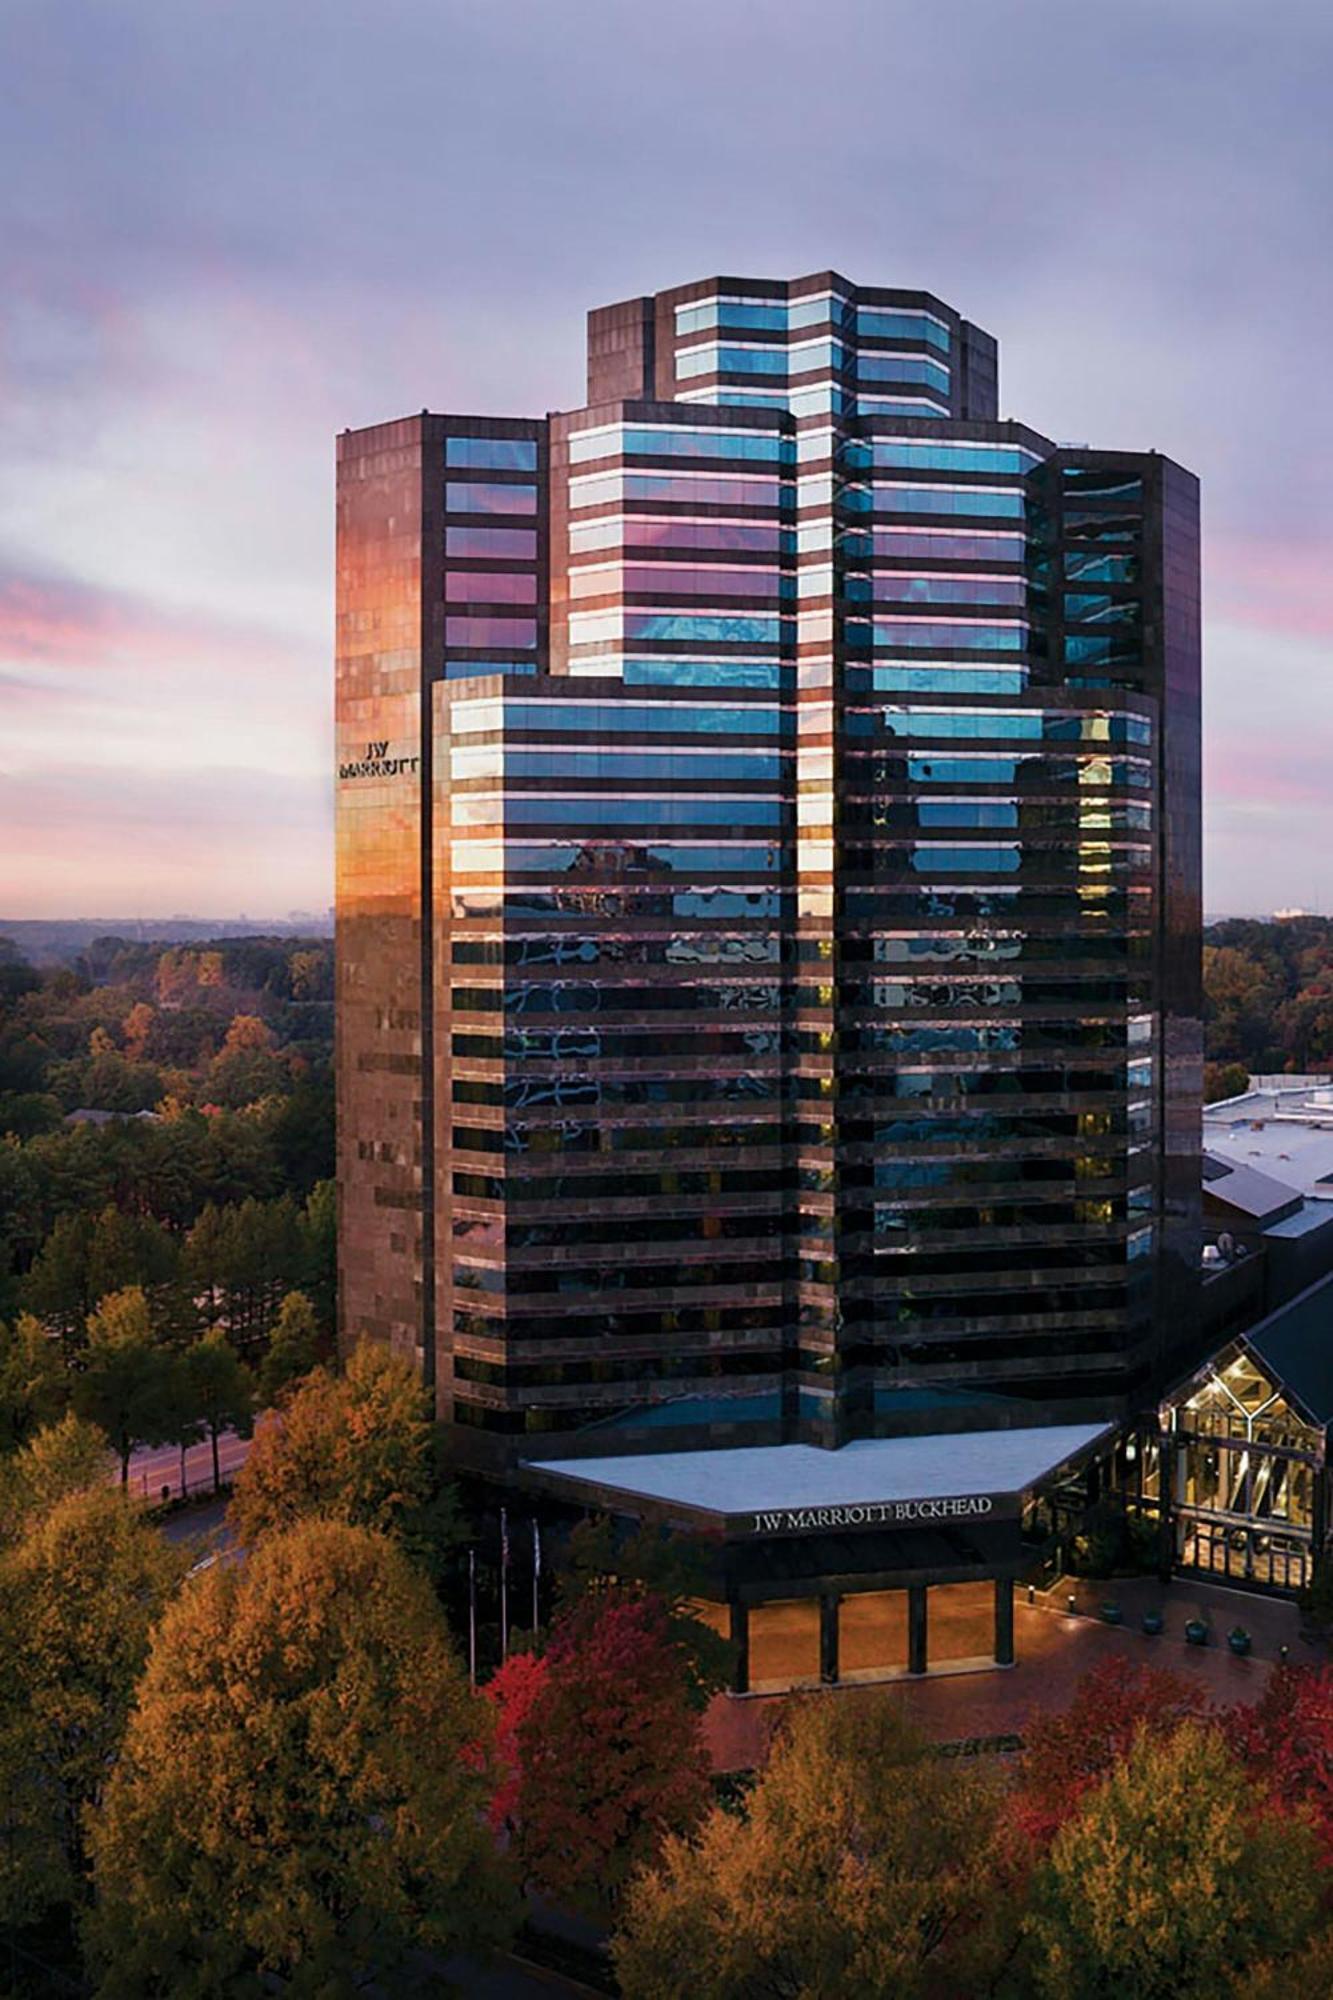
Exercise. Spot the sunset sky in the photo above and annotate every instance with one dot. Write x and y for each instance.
(231, 230)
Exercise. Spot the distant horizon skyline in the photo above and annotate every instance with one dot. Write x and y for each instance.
(231, 266)
(1277, 914)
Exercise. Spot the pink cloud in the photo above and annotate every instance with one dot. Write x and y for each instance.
(1277, 586)
(80, 838)
(1249, 771)
(48, 620)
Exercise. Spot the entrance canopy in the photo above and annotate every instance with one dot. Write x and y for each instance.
(873, 1483)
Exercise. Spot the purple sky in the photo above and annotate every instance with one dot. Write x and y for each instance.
(230, 230)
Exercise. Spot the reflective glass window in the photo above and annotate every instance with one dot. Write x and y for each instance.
(712, 628)
(760, 445)
(574, 761)
(814, 311)
(642, 532)
(903, 368)
(1094, 566)
(767, 316)
(703, 673)
(471, 497)
(491, 454)
(1087, 524)
(877, 324)
(489, 587)
(694, 580)
(810, 354)
(732, 361)
(995, 501)
(633, 718)
(490, 631)
(945, 858)
(898, 406)
(899, 679)
(923, 453)
(967, 812)
(520, 544)
(1101, 649)
(688, 857)
(705, 490)
(1106, 482)
(898, 587)
(968, 632)
(911, 544)
(695, 488)
(633, 810)
(1001, 723)
(1089, 607)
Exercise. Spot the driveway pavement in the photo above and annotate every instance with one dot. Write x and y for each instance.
(1054, 1652)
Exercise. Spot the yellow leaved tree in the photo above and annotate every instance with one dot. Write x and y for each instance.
(299, 1797)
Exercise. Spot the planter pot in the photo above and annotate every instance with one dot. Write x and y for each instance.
(1153, 1622)
(1196, 1632)
(1239, 1640)
(1112, 1615)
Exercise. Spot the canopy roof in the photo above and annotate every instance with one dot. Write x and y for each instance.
(786, 1478)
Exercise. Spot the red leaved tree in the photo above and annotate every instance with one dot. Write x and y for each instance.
(1286, 1738)
(610, 1754)
(1070, 1752)
(513, 1690)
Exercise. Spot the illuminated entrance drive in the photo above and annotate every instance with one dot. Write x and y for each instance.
(880, 1547)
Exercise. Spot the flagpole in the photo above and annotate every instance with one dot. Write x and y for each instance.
(472, 1616)
(536, 1572)
(504, 1585)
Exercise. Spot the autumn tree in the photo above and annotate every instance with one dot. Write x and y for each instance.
(1224, 1079)
(34, 1380)
(125, 1386)
(673, 1569)
(319, 1252)
(511, 1691)
(63, 1458)
(1240, 997)
(1300, 1976)
(294, 1348)
(81, 1591)
(1072, 1749)
(240, 1260)
(218, 1389)
(1286, 1740)
(610, 1755)
(88, 1254)
(137, 1028)
(358, 1447)
(247, 1067)
(299, 1796)
(864, 1863)
(1171, 1880)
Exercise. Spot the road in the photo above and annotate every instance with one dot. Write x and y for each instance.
(158, 1466)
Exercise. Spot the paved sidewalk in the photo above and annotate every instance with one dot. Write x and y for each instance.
(1054, 1651)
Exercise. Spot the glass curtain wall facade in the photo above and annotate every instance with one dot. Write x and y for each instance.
(812, 963)
(1247, 1484)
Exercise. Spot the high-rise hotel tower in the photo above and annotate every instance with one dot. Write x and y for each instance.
(768, 894)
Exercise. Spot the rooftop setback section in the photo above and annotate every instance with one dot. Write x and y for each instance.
(926, 356)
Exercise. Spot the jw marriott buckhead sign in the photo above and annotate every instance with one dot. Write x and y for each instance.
(875, 1514)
